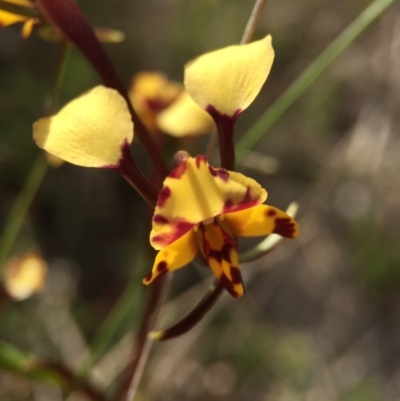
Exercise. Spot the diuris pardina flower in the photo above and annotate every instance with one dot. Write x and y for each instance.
(201, 210)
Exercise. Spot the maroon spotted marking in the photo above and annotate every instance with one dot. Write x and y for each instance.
(178, 171)
(219, 256)
(223, 174)
(162, 267)
(224, 253)
(247, 196)
(228, 204)
(236, 275)
(124, 165)
(228, 285)
(148, 276)
(200, 159)
(180, 228)
(160, 239)
(271, 212)
(285, 226)
(212, 171)
(163, 196)
(156, 105)
(160, 219)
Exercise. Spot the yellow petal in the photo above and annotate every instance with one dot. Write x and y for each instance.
(194, 192)
(24, 276)
(220, 251)
(229, 79)
(89, 131)
(261, 220)
(28, 27)
(184, 117)
(7, 18)
(108, 35)
(173, 257)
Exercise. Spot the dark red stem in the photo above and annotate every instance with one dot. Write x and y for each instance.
(195, 316)
(225, 126)
(128, 169)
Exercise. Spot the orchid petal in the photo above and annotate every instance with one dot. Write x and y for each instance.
(261, 220)
(184, 118)
(229, 79)
(195, 192)
(89, 131)
(220, 251)
(174, 256)
(150, 93)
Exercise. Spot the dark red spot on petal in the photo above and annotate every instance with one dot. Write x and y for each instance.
(228, 203)
(271, 213)
(182, 228)
(212, 170)
(223, 174)
(236, 275)
(160, 219)
(162, 267)
(228, 285)
(178, 171)
(200, 159)
(247, 196)
(219, 172)
(285, 226)
(159, 239)
(148, 277)
(163, 196)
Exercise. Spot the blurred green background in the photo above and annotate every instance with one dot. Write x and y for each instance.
(321, 317)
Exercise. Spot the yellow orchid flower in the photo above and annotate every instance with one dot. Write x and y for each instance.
(203, 209)
(8, 18)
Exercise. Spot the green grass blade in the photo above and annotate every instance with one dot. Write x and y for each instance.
(20, 207)
(309, 76)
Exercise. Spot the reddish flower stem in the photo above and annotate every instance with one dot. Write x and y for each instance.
(225, 126)
(194, 316)
(128, 169)
(67, 16)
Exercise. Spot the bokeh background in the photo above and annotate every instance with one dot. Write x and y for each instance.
(321, 316)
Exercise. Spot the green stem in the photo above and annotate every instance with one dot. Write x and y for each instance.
(37, 172)
(21, 205)
(309, 76)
